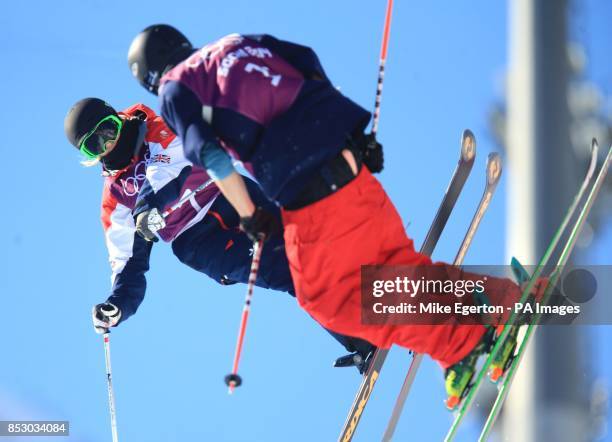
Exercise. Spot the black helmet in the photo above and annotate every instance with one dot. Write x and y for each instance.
(154, 51)
(83, 117)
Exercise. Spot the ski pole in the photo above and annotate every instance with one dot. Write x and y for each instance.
(156, 220)
(186, 198)
(381, 67)
(233, 379)
(109, 383)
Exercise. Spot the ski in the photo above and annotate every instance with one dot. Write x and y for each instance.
(506, 382)
(459, 177)
(494, 170)
(471, 394)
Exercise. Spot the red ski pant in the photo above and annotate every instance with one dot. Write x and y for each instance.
(327, 243)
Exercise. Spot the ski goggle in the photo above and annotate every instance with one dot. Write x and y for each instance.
(94, 142)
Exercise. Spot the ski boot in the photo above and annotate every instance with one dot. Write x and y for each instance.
(360, 360)
(505, 355)
(459, 376)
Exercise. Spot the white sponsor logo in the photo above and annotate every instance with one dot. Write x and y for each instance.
(274, 79)
(231, 58)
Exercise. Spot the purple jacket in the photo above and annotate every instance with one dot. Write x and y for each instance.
(267, 102)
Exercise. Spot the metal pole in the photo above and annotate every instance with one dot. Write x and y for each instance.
(109, 384)
(544, 403)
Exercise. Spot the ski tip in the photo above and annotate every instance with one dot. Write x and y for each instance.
(594, 153)
(494, 168)
(468, 145)
(520, 274)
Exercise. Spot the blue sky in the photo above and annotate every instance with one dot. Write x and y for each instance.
(444, 73)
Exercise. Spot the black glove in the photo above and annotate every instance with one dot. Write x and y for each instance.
(371, 153)
(260, 225)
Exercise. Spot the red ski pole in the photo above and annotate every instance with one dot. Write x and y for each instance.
(381, 66)
(233, 379)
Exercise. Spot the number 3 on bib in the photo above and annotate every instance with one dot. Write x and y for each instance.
(275, 79)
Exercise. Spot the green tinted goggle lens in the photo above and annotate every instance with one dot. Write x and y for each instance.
(94, 143)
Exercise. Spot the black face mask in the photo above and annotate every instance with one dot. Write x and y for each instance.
(129, 145)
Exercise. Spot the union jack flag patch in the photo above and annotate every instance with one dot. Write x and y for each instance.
(160, 158)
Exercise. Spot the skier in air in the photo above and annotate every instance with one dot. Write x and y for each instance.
(145, 171)
(269, 104)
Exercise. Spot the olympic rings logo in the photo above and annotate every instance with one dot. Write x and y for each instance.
(131, 185)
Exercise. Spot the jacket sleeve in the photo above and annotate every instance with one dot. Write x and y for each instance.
(128, 255)
(182, 112)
